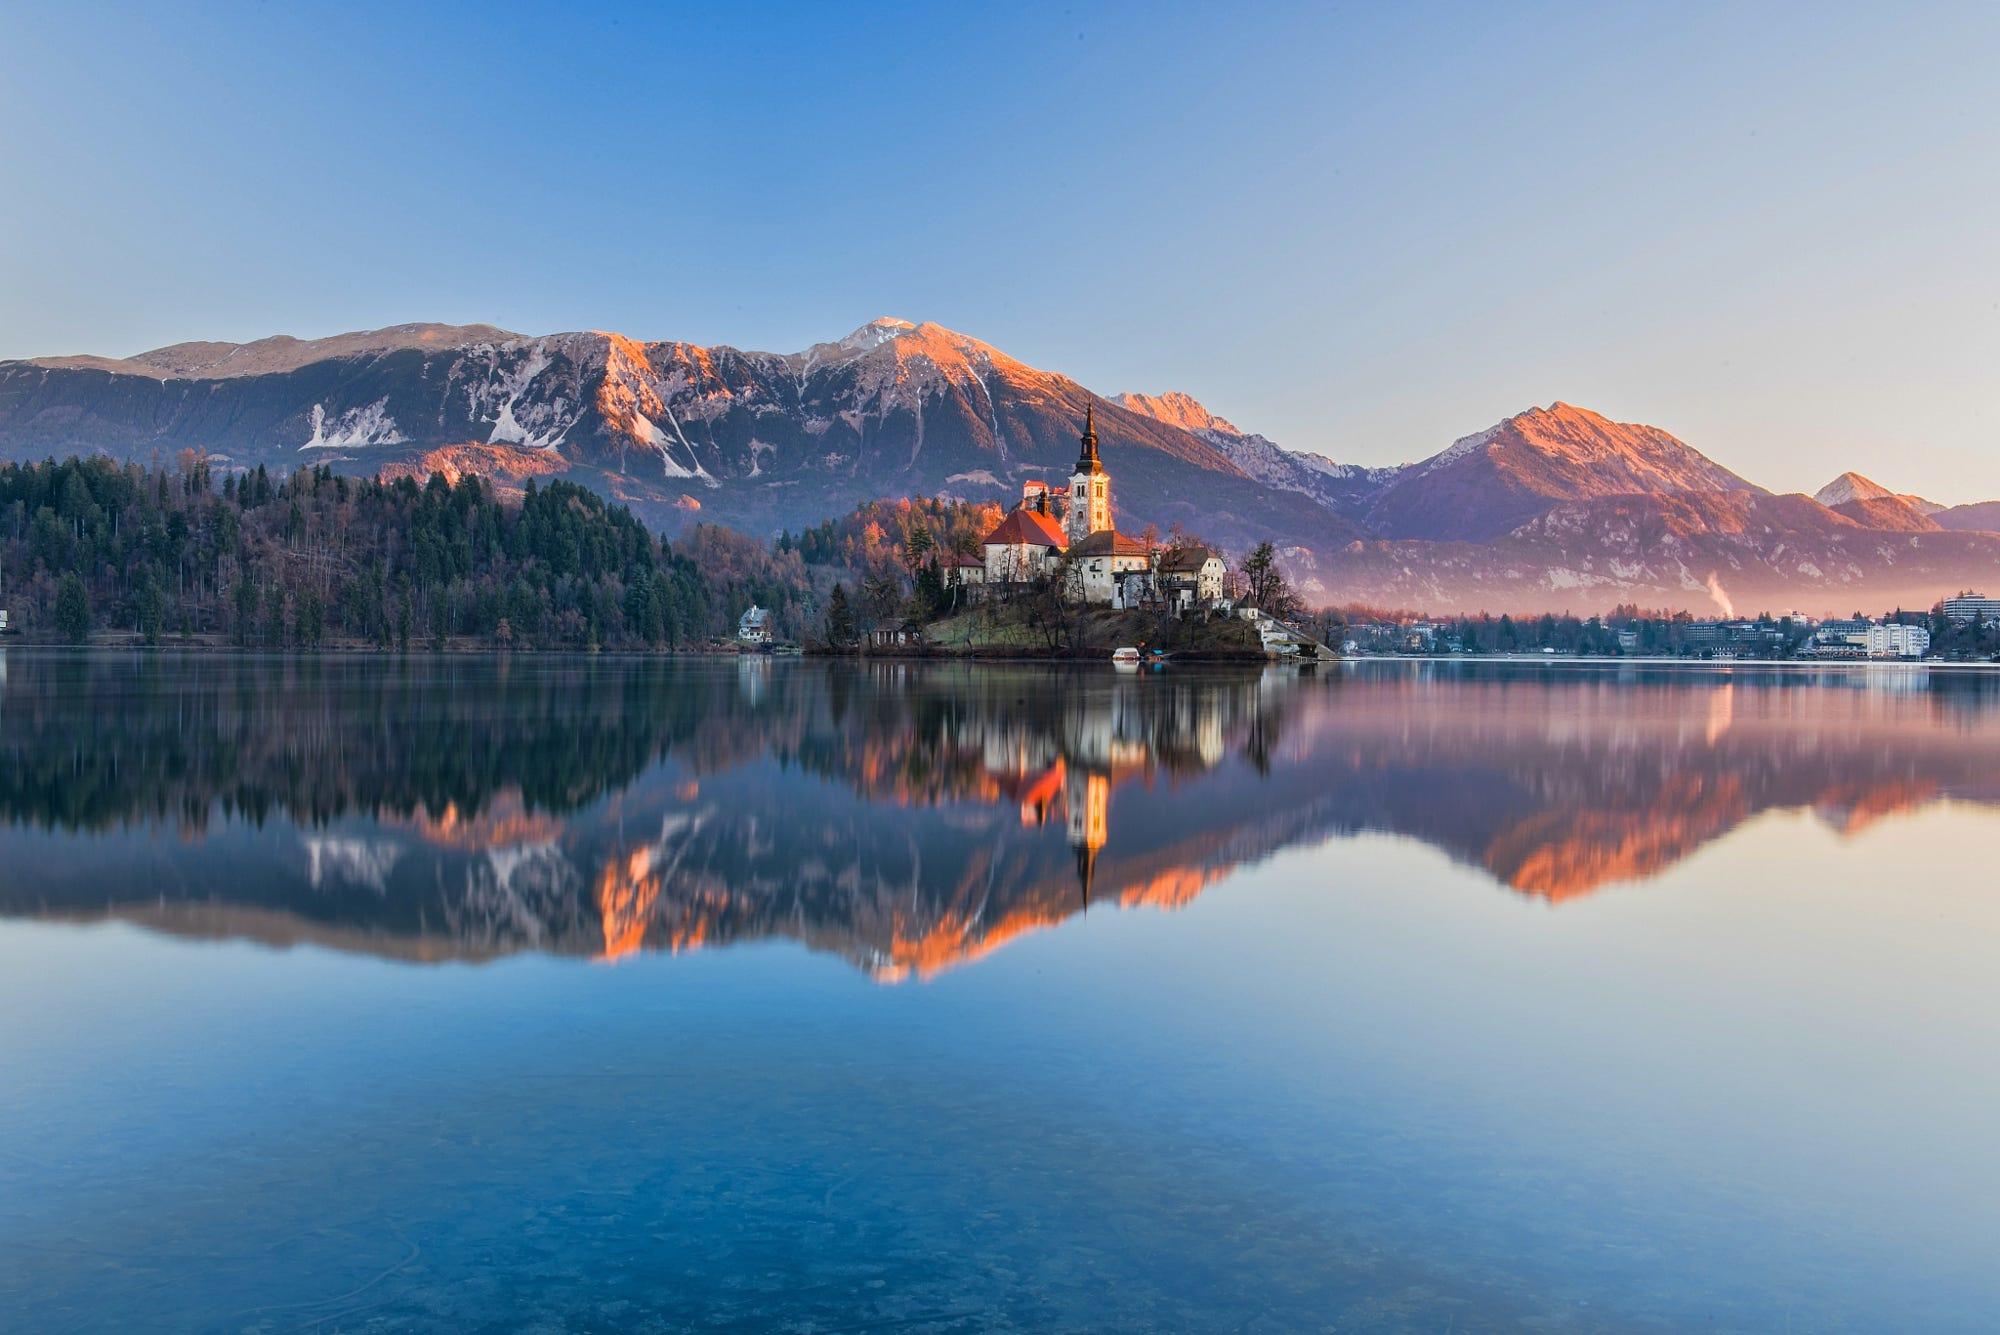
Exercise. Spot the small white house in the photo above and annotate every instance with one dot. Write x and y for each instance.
(963, 570)
(3, 621)
(754, 627)
(1192, 575)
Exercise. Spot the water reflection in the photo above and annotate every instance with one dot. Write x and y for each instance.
(908, 817)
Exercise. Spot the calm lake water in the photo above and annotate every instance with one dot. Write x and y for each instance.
(565, 994)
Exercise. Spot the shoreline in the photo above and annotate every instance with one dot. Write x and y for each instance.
(1707, 664)
(998, 655)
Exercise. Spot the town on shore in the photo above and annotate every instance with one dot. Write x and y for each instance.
(99, 553)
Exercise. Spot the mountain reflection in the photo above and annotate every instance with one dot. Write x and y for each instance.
(907, 817)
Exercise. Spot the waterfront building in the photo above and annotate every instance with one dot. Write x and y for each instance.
(1868, 639)
(1897, 641)
(754, 626)
(1972, 607)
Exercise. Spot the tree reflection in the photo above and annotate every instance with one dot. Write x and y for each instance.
(909, 816)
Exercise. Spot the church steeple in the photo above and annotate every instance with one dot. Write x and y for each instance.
(1089, 508)
(1086, 460)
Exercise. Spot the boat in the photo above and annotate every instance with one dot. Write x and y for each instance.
(1127, 657)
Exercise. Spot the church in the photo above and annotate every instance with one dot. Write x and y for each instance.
(1106, 566)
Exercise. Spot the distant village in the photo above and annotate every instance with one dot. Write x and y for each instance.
(1964, 627)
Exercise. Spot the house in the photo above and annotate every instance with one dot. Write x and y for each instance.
(3, 621)
(960, 569)
(1191, 576)
(897, 635)
(754, 626)
(1102, 560)
(1133, 589)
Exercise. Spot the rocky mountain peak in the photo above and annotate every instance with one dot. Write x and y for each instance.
(882, 329)
(1851, 486)
(1177, 409)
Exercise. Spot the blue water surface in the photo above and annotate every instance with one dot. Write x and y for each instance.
(1380, 999)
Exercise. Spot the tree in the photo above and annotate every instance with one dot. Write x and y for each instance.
(246, 608)
(1053, 603)
(880, 598)
(1265, 584)
(73, 609)
(151, 605)
(839, 618)
(931, 596)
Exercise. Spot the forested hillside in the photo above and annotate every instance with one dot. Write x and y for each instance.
(314, 559)
(889, 536)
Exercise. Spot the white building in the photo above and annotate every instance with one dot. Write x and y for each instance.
(1191, 576)
(1972, 607)
(1868, 639)
(754, 626)
(1896, 641)
(1102, 560)
(964, 570)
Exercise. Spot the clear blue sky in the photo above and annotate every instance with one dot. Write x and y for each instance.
(1772, 229)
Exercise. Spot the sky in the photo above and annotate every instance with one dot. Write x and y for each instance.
(1365, 230)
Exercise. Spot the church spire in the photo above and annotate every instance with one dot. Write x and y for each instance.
(1086, 460)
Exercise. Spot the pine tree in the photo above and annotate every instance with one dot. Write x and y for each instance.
(73, 609)
(839, 618)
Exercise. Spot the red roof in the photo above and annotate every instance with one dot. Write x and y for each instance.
(1025, 527)
(1108, 542)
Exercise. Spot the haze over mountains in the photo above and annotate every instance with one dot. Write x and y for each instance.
(1556, 508)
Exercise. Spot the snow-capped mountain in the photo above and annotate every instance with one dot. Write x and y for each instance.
(1850, 487)
(760, 440)
(1553, 507)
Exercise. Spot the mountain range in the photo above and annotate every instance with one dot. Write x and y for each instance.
(1554, 508)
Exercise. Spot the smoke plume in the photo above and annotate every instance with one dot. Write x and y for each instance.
(1721, 595)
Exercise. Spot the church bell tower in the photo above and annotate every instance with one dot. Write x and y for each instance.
(1089, 486)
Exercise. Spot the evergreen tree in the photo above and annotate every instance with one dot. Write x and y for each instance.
(839, 618)
(72, 609)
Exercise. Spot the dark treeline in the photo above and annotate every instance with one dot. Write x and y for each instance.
(312, 559)
(1655, 633)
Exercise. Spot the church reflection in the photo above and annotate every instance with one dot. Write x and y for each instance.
(908, 817)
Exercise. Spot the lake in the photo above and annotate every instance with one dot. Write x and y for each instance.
(587, 994)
